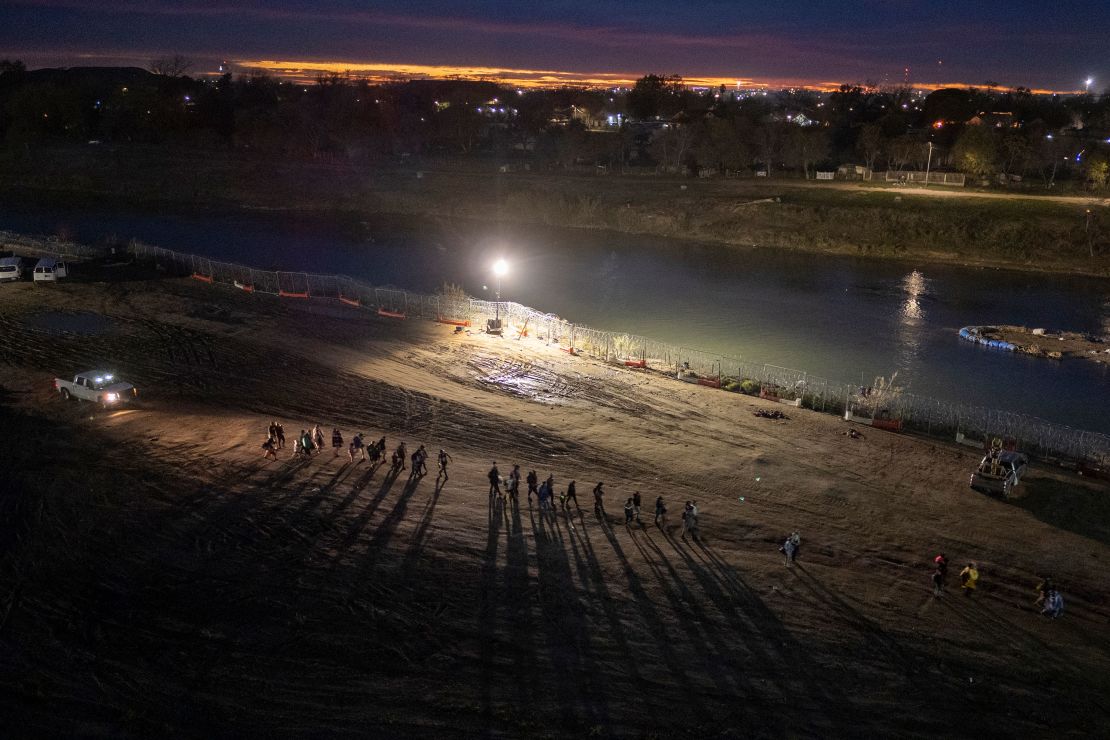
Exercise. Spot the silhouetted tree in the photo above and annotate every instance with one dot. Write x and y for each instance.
(870, 143)
(171, 66)
(976, 151)
(655, 95)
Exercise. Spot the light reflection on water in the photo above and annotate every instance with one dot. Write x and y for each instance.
(912, 321)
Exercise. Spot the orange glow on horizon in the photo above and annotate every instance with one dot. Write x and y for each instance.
(306, 71)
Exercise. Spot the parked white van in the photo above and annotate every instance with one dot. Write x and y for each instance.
(11, 268)
(49, 269)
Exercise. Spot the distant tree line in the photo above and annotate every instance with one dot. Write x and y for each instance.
(660, 123)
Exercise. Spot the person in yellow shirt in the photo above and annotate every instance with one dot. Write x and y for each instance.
(969, 577)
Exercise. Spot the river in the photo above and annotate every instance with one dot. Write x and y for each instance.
(846, 319)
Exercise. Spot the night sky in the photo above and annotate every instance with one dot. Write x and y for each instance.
(1052, 45)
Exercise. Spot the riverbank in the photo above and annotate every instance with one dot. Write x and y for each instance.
(1029, 234)
(165, 578)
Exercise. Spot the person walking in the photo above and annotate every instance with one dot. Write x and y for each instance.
(422, 460)
(351, 451)
(280, 433)
(357, 447)
(796, 539)
(268, 446)
(636, 503)
(790, 550)
(444, 458)
(941, 562)
(336, 441)
(629, 511)
(572, 495)
(399, 457)
(318, 439)
(381, 449)
(1053, 604)
(969, 579)
(660, 512)
(544, 495)
(514, 482)
(306, 443)
(1043, 589)
(532, 480)
(599, 501)
(272, 430)
(938, 582)
(494, 476)
(687, 518)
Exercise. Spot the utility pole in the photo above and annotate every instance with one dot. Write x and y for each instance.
(1087, 231)
(928, 164)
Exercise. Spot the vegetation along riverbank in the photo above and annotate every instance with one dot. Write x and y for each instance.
(1049, 234)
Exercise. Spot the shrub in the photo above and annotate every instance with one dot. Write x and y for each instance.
(750, 387)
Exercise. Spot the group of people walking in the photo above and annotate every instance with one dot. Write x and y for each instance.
(545, 497)
(312, 442)
(1048, 599)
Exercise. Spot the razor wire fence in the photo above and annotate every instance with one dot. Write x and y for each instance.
(928, 416)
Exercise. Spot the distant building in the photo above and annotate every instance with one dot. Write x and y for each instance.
(563, 117)
(1003, 119)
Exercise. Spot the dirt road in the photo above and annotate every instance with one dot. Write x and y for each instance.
(158, 576)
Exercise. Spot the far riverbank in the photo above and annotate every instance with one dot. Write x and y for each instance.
(1029, 234)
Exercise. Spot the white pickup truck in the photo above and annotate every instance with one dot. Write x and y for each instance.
(96, 385)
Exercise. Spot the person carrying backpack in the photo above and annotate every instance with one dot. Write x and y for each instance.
(532, 480)
(599, 503)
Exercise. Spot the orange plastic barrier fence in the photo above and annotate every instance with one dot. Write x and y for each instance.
(244, 286)
(452, 322)
(890, 425)
(350, 301)
(709, 382)
(202, 278)
(635, 363)
(570, 351)
(287, 294)
(390, 314)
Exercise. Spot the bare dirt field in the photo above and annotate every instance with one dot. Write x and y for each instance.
(158, 577)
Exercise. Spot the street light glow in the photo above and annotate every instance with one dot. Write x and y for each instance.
(500, 268)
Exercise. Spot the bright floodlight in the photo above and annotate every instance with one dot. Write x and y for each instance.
(1090, 81)
(500, 267)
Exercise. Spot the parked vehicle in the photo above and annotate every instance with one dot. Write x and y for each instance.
(49, 269)
(98, 386)
(999, 472)
(11, 268)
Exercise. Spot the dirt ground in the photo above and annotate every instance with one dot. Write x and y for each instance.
(1063, 343)
(158, 577)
